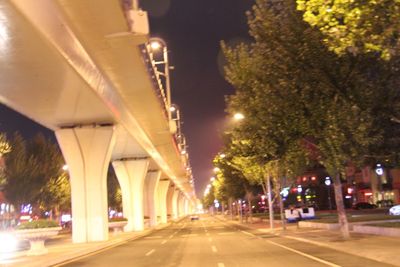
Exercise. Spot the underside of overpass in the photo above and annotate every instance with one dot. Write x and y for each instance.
(84, 70)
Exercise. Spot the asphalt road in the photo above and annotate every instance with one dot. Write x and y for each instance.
(209, 242)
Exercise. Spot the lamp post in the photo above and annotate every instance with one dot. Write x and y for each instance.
(156, 44)
(328, 184)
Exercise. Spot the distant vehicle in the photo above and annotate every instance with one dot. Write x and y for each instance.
(194, 217)
(395, 210)
(364, 206)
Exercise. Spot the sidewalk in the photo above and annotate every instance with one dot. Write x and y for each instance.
(61, 249)
(380, 248)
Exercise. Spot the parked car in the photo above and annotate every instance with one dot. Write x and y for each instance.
(364, 205)
(395, 210)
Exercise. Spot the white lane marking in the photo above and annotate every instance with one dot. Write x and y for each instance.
(214, 248)
(153, 237)
(164, 241)
(226, 233)
(298, 252)
(304, 254)
(210, 239)
(170, 236)
(207, 234)
(220, 264)
(150, 252)
(247, 233)
(189, 235)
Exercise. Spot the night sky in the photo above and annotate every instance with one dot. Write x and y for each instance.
(192, 30)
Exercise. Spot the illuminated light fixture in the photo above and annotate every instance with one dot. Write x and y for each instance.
(212, 179)
(65, 167)
(216, 169)
(379, 169)
(367, 194)
(349, 190)
(155, 45)
(183, 152)
(299, 189)
(172, 108)
(313, 178)
(238, 116)
(304, 179)
(8, 242)
(222, 155)
(328, 181)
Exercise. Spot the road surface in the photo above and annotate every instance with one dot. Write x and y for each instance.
(210, 242)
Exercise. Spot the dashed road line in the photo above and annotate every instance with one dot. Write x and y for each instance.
(150, 252)
(164, 241)
(247, 233)
(154, 237)
(220, 264)
(214, 248)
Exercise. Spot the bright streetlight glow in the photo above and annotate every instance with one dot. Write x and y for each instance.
(212, 179)
(238, 116)
(222, 155)
(65, 167)
(155, 45)
(8, 242)
(216, 169)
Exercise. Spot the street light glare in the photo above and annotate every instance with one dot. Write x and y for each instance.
(155, 45)
(216, 169)
(238, 116)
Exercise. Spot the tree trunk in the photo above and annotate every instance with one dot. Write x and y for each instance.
(249, 198)
(230, 208)
(282, 211)
(270, 207)
(343, 223)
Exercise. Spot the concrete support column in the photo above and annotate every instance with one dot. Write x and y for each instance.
(181, 199)
(152, 180)
(87, 151)
(162, 191)
(131, 174)
(170, 194)
(175, 208)
(186, 206)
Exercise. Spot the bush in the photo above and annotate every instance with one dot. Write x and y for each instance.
(117, 219)
(37, 224)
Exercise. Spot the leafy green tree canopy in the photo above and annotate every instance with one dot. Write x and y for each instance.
(356, 26)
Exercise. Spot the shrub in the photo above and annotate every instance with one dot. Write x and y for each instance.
(117, 219)
(37, 224)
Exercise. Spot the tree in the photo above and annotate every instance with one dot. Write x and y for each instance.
(114, 192)
(293, 91)
(33, 173)
(356, 26)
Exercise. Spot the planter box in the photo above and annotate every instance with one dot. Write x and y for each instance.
(117, 227)
(375, 230)
(36, 238)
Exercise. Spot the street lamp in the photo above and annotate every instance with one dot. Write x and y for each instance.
(238, 116)
(216, 169)
(328, 184)
(156, 44)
